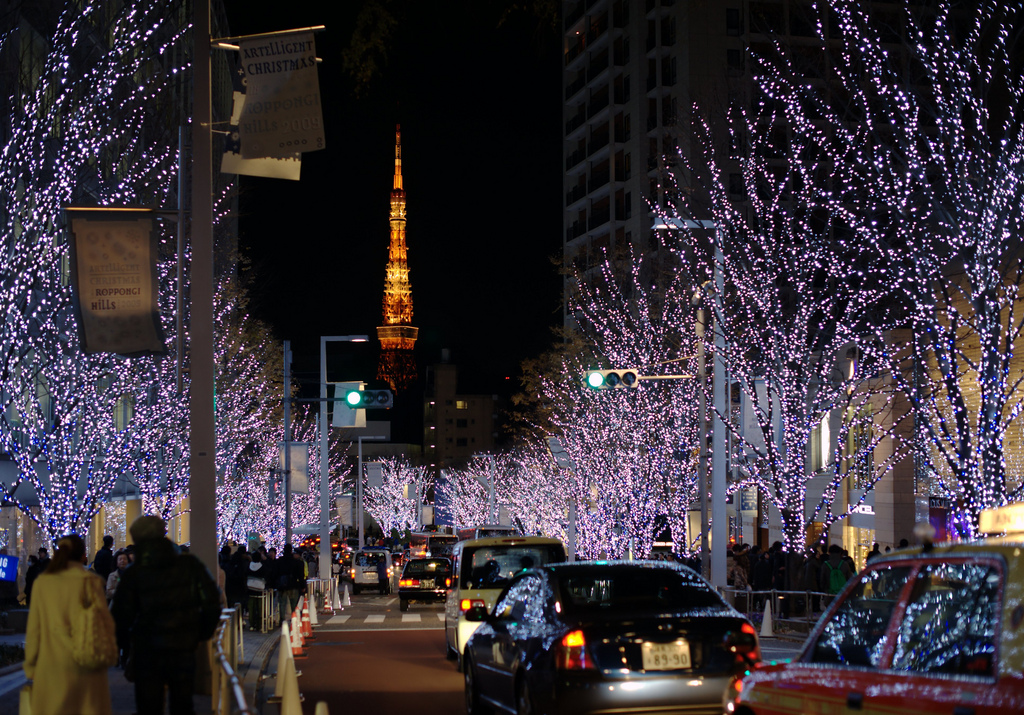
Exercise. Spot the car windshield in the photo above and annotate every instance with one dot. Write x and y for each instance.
(368, 559)
(427, 567)
(633, 588)
(494, 566)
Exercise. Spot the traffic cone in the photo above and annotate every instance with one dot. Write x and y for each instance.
(346, 601)
(307, 624)
(296, 639)
(313, 622)
(284, 653)
(321, 708)
(291, 700)
(766, 621)
(327, 602)
(336, 605)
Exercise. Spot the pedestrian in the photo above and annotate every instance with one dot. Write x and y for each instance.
(123, 636)
(834, 572)
(738, 575)
(256, 583)
(236, 589)
(169, 603)
(103, 562)
(288, 573)
(33, 571)
(874, 553)
(812, 578)
(60, 685)
(382, 574)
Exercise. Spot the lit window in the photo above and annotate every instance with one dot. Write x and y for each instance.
(461, 405)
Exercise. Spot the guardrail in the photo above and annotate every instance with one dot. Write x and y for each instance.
(321, 592)
(227, 693)
(264, 610)
(801, 606)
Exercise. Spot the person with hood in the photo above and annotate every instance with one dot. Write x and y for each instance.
(835, 572)
(169, 604)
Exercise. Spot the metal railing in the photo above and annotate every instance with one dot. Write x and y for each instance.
(227, 693)
(319, 589)
(801, 606)
(264, 612)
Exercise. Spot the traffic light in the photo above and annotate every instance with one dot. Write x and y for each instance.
(607, 379)
(369, 399)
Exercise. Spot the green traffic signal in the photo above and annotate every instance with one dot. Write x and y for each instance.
(608, 379)
(595, 379)
(354, 398)
(369, 399)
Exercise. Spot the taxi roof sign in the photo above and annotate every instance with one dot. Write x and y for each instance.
(1007, 519)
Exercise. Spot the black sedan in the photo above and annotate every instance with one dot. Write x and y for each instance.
(623, 637)
(424, 581)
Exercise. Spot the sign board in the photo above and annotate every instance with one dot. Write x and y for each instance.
(282, 113)
(114, 277)
(344, 507)
(374, 475)
(298, 464)
(8, 568)
(1009, 519)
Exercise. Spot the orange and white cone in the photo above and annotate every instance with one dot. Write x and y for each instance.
(296, 639)
(307, 626)
(291, 699)
(313, 622)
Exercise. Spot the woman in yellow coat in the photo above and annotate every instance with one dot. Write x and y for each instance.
(60, 686)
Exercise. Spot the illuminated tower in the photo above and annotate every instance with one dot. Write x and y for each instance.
(397, 336)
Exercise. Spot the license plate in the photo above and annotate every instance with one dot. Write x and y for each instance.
(666, 656)
(427, 583)
(370, 574)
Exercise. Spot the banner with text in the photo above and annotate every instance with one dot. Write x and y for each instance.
(113, 274)
(282, 111)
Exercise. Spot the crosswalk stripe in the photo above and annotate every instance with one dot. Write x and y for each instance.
(375, 619)
(410, 618)
(338, 619)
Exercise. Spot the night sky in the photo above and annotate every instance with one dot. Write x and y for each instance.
(480, 112)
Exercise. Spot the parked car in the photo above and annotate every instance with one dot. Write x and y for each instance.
(481, 569)
(423, 581)
(604, 637)
(364, 570)
(932, 629)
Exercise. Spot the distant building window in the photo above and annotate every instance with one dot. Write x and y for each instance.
(461, 442)
(461, 423)
(734, 59)
(733, 25)
(461, 405)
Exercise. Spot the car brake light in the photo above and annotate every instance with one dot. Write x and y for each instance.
(572, 652)
(468, 603)
(352, 572)
(409, 583)
(744, 646)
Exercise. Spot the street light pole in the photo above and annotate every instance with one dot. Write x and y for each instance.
(325, 490)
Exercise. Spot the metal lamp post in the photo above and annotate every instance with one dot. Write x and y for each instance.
(325, 490)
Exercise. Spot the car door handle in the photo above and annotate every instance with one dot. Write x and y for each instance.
(855, 701)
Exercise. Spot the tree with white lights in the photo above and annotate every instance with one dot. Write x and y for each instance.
(74, 138)
(929, 180)
(394, 504)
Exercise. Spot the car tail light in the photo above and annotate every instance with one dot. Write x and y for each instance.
(409, 583)
(572, 652)
(743, 645)
(352, 573)
(447, 583)
(468, 603)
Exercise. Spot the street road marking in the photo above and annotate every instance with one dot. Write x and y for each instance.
(410, 618)
(440, 616)
(375, 619)
(338, 619)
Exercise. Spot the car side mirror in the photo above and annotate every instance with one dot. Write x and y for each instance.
(476, 614)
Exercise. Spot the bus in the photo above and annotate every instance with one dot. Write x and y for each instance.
(424, 544)
(487, 531)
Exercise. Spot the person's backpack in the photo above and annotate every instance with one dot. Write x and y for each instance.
(836, 580)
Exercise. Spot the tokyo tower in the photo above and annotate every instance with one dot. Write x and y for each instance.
(397, 336)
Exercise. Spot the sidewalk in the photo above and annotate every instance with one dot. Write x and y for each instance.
(257, 649)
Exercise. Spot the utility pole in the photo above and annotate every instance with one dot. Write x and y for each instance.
(287, 442)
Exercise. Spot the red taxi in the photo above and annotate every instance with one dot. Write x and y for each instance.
(931, 630)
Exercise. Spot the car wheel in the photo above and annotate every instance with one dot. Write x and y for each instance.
(524, 704)
(403, 605)
(473, 705)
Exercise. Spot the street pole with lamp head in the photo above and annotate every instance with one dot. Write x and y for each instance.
(325, 490)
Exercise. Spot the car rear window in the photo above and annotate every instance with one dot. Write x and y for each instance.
(654, 590)
(424, 567)
(371, 559)
(494, 566)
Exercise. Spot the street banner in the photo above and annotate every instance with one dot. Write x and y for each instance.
(286, 167)
(114, 280)
(298, 464)
(282, 112)
(344, 507)
(374, 475)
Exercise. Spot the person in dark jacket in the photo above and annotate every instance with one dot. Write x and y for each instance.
(103, 562)
(288, 573)
(169, 603)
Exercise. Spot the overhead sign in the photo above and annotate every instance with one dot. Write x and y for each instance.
(114, 277)
(282, 111)
(298, 466)
(285, 167)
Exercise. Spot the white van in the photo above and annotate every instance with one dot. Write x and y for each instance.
(481, 568)
(363, 571)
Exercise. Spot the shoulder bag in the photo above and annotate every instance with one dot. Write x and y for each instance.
(93, 643)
